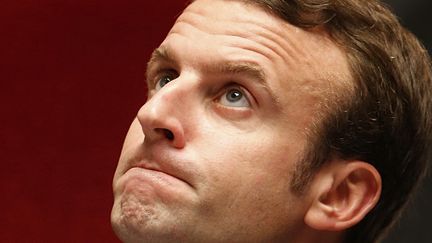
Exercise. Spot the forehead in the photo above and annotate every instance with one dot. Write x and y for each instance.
(292, 58)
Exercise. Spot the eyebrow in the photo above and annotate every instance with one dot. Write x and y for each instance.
(249, 69)
(160, 54)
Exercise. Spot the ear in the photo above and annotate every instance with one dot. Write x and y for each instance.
(342, 192)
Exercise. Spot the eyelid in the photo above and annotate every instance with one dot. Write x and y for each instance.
(247, 94)
(155, 74)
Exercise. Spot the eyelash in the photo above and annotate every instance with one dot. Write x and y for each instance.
(160, 73)
(164, 72)
(235, 86)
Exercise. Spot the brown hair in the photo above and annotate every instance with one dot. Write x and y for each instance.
(387, 122)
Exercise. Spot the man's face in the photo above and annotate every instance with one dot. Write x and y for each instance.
(233, 91)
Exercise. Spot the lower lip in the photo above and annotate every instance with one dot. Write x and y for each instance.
(159, 182)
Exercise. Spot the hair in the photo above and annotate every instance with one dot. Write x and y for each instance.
(387, 120)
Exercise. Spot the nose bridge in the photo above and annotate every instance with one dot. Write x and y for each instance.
(169, 100)
(165, 112)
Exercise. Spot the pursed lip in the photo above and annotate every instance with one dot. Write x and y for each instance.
(165, 168)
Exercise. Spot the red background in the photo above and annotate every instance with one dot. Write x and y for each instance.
(71, 81)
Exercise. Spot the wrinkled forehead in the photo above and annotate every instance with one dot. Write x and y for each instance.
(230, 9)
(312, 49)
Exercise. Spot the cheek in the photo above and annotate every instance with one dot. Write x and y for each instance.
(247, 159)
(134, 135)
(260, 146)
(134, 138)
(247, 177)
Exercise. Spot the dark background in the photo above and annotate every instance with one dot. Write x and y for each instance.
(71, 81)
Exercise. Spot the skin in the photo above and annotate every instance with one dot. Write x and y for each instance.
(238, 89)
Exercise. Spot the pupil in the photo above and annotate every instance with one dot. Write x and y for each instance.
(164, 81)
(234, 95)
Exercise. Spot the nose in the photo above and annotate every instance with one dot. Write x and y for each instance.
(162, 116)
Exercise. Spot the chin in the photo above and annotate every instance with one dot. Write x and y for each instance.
(136, 221)
(131, 217)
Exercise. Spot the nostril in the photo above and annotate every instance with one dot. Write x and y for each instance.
(167, 133)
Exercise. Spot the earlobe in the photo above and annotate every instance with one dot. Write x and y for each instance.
(344, 192)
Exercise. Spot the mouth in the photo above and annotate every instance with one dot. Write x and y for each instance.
(160, 173)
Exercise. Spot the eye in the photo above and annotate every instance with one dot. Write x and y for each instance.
(234, 97)
(162, 80)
